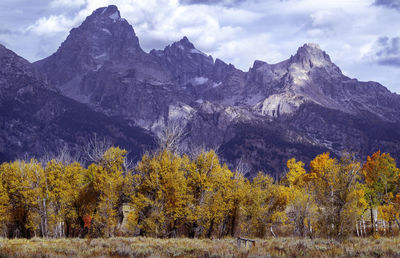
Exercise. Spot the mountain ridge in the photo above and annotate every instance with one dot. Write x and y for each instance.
(294, 108)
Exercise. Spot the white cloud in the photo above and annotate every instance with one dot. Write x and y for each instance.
(324, 18)
(50, 25)
(67, 3)
(247, 50)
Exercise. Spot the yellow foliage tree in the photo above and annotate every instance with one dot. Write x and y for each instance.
(60, 190)
(381, 177)
(264, 206)
(4, 209)
(108, 182)
(302, 208)
(160, 200)
(217, 200)
(338, 195)
(22, 181)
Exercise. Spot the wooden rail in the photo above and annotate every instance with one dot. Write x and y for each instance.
(245, 240)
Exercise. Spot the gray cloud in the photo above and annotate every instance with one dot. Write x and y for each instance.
(6, 31)
(388, 52)
(395, 4)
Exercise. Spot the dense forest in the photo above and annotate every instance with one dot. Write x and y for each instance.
(168, 194)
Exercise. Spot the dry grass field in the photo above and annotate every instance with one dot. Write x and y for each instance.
(183, 247)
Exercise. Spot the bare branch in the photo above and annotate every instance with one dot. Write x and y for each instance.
(242, 167)
(172, 136)
(95, 148)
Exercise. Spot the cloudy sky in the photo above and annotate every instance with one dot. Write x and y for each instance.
(361, 36)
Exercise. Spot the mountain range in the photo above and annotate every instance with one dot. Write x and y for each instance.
(101, 81)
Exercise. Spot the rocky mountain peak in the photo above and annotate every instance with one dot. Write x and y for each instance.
(185, 62)
(103, 37)
(310, 54)
(186, 48)
(106, 27)
(109, 12)
(184, 43)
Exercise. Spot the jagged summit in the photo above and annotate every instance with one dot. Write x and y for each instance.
(105, 17)
(312, 45)
(110, 12)
(311, 54)
(104, 32)
(184, 43)
(103, 37)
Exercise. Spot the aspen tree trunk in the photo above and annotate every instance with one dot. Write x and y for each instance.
(365, 232)
(44, 218)
(361, 228)
(63, 229)
(384, 227)
(272, 231)
(358, 233)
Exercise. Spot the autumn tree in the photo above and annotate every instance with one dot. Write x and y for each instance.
(160, 201)
(302, 208)
(212, 186)
(174, 193)
(60, 189)
(170, 195)
(337, 193)
(4, 209)
(22, 181)
(108, 183)
(381, 177)
(264, 206)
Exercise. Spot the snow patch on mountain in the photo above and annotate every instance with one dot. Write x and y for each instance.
(199, 81)
(115, 16)
(196, 51)
(106, 31)
(217, 84)
(101, 56)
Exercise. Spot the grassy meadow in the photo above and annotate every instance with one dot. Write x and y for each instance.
(184, 247)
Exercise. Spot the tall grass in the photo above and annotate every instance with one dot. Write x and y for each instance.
(183, 247)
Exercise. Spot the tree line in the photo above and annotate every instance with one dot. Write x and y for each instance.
(171, 195)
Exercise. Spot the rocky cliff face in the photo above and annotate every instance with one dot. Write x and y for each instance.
(35, 120)
(299, 107)
(310, 76)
